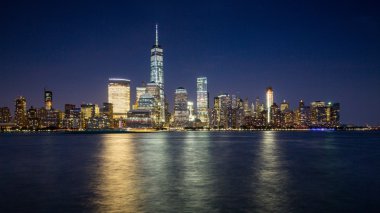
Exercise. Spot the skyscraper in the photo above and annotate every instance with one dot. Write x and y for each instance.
(202, 100)
(222, 112)
(247, 109)
(107, 110)
(334, 114)
(318, 113)
(21, 118)
(5, 115)
(119, 94)
(89, 110)
(33, 120)
(269, 97)
(157, 72)
(48, 98)
(302, 115)
(73, 117)
(181, 116)
(68, 109)
(284, 106)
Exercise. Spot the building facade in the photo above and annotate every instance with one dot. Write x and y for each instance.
(181, 116)
(139, 92)
(157, 73)
(269, 103)
(21, 118)
(5, 115)
(119, 95)
(48, 98)
(202, 100)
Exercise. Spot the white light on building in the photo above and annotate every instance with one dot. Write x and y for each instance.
(119, 94)
(202, 99)
(269, 102)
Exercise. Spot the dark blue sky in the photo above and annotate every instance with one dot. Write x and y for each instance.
(310, 50)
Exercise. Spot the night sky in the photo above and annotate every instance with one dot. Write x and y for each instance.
(320, 50)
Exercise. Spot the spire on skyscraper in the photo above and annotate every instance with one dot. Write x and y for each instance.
(156, 35)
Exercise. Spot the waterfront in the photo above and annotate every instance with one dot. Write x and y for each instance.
(263, 171)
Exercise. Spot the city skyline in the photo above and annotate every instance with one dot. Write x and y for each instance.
(339, 72)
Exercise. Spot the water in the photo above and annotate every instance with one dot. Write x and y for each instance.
(191, 172)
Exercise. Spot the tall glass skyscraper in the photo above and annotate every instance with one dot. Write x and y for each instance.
(48, 97)
(119, 94)
(202, 100)
(157, 72)
(181, 115)
(269, 103)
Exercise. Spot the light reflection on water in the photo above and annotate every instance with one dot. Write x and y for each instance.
(117, 185)
(271, 186)
(190, 172)
(153, 173)
(197, 181)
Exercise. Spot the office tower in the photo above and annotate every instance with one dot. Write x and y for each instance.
(107, 110)
(103, 119)
(190, 109)
(153, 90)
(72, 118)
(303, 115)
(275, 118)
(257, 104)
(287, 119)
(181, 116)
(234, 101)
(269, 97)
(214, 122)
(247, 109)
(33, 119)
(20, 118)
(318, 114)
(202, 100)
(148, 102)
(48, 98)
(139, 92)
(89, 110)
(236, 113)
(5, 115)
(333, 114)
(157, 72)
(226, 110)
(259, 107)
(69, 117)
(119, 94)
(51, 119)
(90, 116)
(284, 106)
(68, 109)
(222, 112)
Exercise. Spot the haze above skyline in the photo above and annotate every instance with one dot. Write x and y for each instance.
(320, 50)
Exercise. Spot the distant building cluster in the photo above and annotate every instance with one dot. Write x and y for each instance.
(151, 109)
(232, 112)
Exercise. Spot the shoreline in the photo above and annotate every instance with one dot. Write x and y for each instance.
(122, 131)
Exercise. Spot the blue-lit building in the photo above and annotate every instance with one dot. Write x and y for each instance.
(157, 73)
